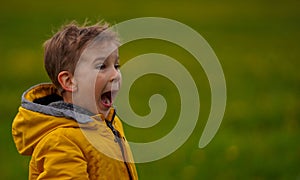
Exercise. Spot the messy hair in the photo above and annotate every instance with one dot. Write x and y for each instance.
(62, 51)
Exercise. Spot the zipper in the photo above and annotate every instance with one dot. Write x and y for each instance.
(118, 139)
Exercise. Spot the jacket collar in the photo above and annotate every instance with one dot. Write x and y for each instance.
(44, 98)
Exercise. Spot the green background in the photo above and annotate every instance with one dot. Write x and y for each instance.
(257, 43)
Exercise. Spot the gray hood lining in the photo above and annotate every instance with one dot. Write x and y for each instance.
(57, 108)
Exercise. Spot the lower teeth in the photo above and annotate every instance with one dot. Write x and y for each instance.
(107, 101)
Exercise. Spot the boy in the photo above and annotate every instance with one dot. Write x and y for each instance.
(69, 127)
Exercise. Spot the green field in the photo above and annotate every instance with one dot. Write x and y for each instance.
(257, 43)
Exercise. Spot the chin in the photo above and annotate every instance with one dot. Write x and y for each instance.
(103, 111)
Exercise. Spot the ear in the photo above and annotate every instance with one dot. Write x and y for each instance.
(66, 80)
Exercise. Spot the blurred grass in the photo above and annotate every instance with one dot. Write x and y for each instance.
(257, 43)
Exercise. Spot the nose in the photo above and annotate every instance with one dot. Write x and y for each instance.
(115, 75)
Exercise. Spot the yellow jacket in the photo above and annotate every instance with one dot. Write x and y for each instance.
(68, 142)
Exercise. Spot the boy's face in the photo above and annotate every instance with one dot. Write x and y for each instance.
(97, 77)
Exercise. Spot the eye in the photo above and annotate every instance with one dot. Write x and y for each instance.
(117, 66)
(100, 66)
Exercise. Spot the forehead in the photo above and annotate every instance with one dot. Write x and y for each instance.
(99, 50)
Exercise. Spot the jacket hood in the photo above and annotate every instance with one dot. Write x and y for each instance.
(42, 111)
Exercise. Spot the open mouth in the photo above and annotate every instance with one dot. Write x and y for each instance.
(106, 99)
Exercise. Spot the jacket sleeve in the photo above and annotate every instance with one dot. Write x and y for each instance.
(58, 157)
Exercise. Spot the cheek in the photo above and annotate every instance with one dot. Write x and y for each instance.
(88, 81)
(99, 83)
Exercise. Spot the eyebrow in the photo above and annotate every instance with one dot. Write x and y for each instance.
(117, 59)
(103, 59)
(99, 59)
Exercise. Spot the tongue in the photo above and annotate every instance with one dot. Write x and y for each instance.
(105, 99)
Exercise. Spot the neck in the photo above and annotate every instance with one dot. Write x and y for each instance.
(67, 97)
